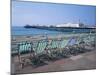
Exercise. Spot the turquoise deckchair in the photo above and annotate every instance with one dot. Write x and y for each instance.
(53, 48)
(41, 46)
(14, 49)
(82, 42)
(39, 49)
(54, 44)
(64, 43)
(34, 46)
(24, 47)
(90, 40)
(57, 48)
(87, 39)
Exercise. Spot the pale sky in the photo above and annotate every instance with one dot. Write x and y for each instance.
(50, 14)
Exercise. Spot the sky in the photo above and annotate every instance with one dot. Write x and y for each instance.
(34, 13)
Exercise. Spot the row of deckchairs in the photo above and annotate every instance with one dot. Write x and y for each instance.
(54, 48)
(41, 45)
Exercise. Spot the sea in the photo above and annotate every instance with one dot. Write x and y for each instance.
(17, 30)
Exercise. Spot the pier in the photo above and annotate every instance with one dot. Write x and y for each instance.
(65, 29)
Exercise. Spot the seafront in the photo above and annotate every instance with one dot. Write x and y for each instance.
(19, 38)
(36, 38)
(64, 40)
(61, 49)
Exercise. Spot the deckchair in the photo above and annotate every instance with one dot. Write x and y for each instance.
(93, 39)
(74, 45)
(39, 50)
(52, 48)
(64, 43)
(81, 45)
(64, 51)
(21, 47)
(25, 47)
(87, 39)
(14, 49)
(59, 45)
(70, 46)
(90, 40)
(41, 46)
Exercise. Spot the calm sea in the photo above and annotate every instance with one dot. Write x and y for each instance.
(30, 31)
(33, 31)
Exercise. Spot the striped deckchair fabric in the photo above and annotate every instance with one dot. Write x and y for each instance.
(86, 39)
(93, 38)
(41, 46)
(58, 43)
(34, 46)
(24, 46)
(79, 39)
(14, 48)
(73, 41)
(64, 43)
(53, 44)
